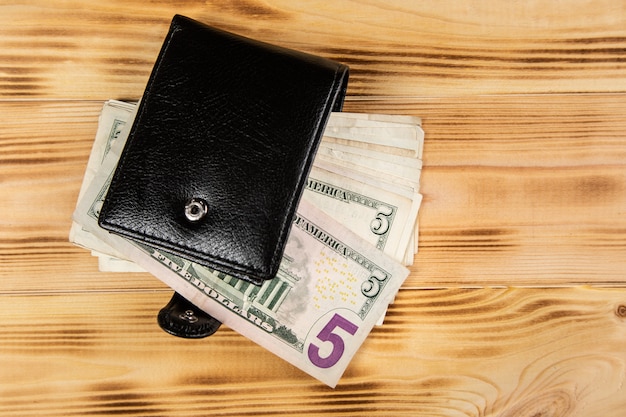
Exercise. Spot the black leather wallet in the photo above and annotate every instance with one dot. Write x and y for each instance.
(223, 140)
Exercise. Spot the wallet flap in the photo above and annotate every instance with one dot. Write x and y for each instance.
(221, 146)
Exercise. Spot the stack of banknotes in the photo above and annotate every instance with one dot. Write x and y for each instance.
(353, 236)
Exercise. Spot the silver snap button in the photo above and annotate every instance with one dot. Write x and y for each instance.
(188, 316)
(196, 209)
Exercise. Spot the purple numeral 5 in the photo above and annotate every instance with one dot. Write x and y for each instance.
(327, 335)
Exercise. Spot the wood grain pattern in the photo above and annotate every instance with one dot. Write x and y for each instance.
(89, 49)
(511, 353)
(524, 184)
(44, 148)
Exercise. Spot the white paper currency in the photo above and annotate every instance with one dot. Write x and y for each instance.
(310, 314)
(375, 214)
(331, 289)
(402, 172)
(403, 132)
(113, 118)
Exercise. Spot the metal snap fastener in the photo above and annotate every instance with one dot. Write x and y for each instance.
(196, 209)
(183, 319)
(188, 316)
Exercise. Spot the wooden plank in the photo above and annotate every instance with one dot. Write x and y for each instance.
(517, 191)
(89, 49)
(44, 148)
(488, 352)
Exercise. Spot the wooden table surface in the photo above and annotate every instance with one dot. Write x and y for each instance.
(516, 304)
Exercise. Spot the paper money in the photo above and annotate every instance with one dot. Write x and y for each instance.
(401, 132)
(341, 267)
(113, 118)
(375, 214)
(331, 289)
